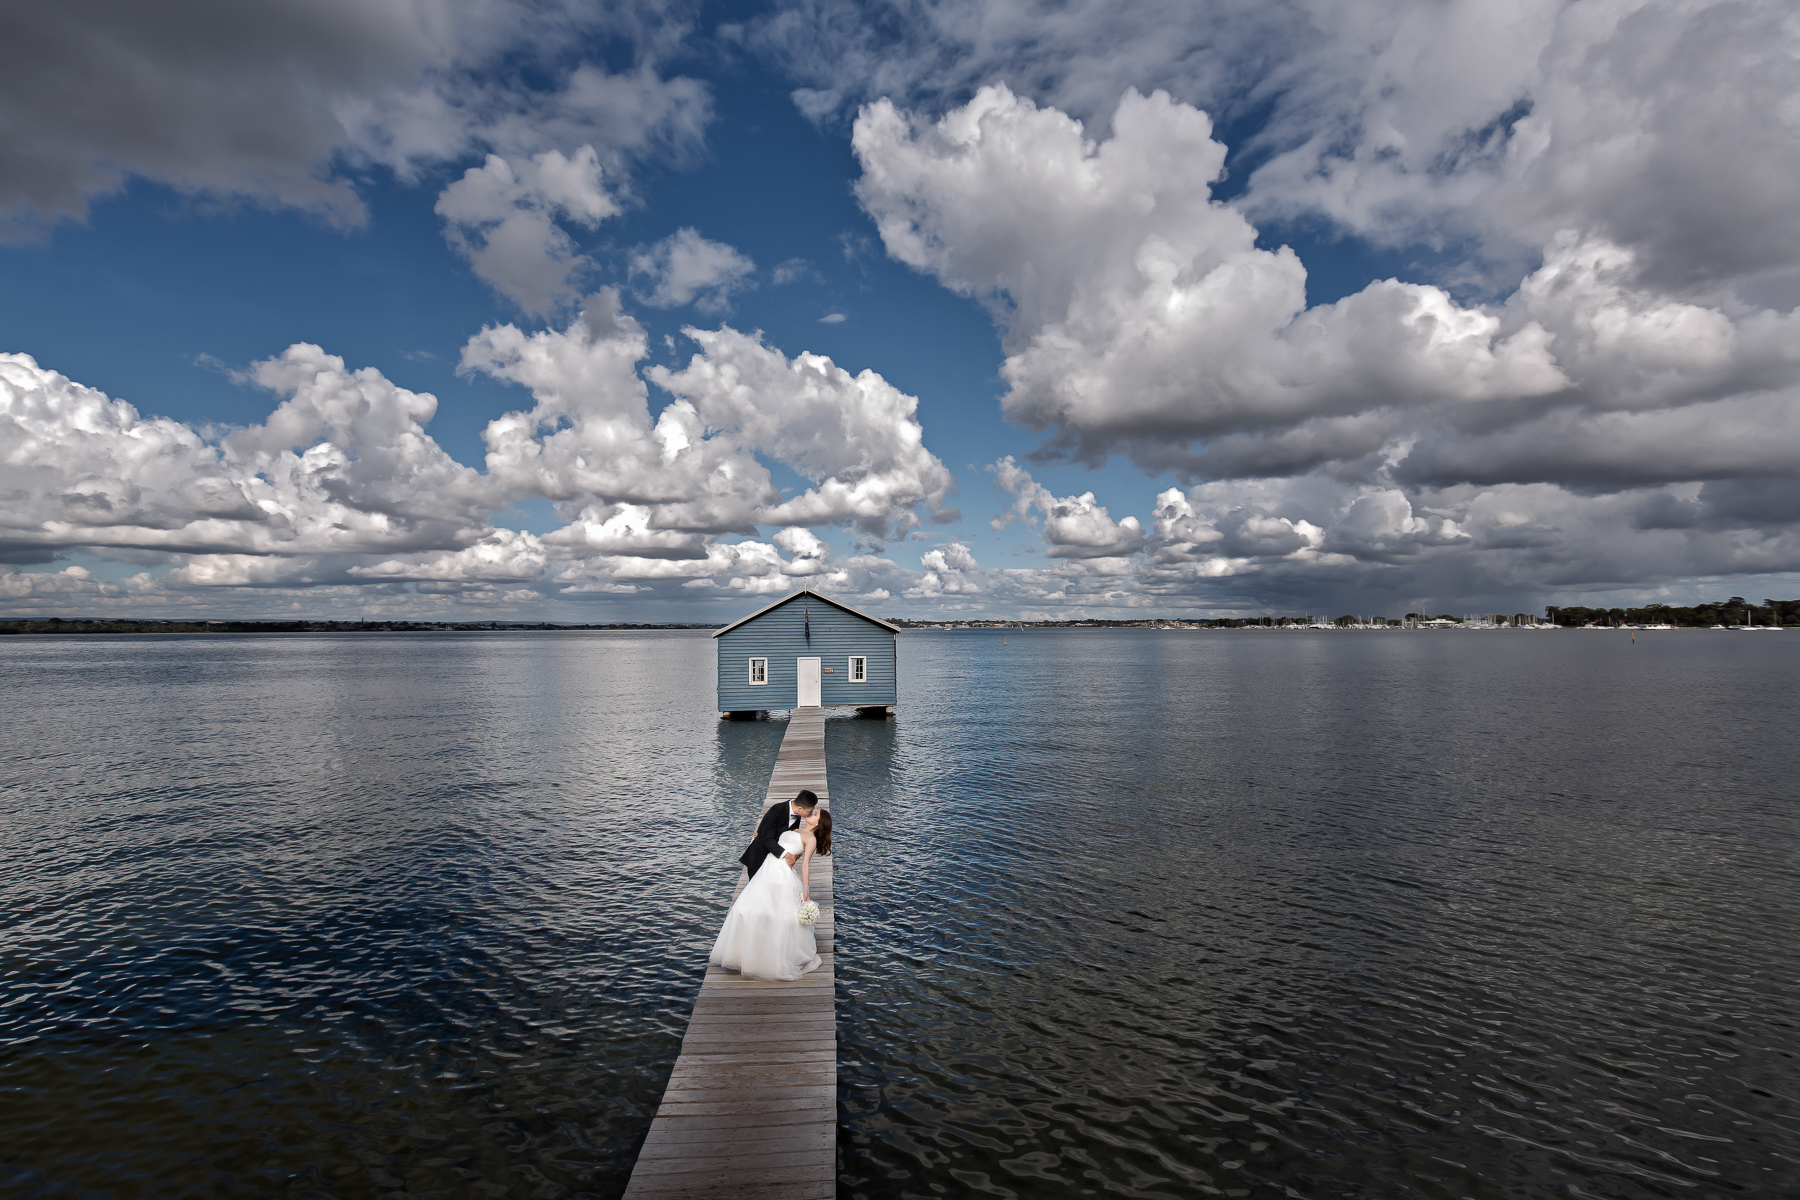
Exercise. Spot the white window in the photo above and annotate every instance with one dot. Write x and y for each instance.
(859, 669)
(759, 671)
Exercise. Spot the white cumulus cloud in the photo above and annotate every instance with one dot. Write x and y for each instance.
(591, 439)
(857, 438)
(1355, 445)
(1668, 127)
(502, 216)
(697, 466)
(685, 268)
(1072, 526)
(343, 464)
(1136, 309)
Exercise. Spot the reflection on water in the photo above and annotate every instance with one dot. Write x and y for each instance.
(1128, 913)
(1324, 915)
(344, 915)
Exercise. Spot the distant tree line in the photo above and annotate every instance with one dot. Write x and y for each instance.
(59, 625)
(1100, 623)
(1735, 611)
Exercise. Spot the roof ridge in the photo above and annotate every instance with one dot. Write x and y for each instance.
(818, 595)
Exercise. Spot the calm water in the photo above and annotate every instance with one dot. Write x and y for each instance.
(1120, 913)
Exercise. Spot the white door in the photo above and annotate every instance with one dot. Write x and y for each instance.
(807, 670)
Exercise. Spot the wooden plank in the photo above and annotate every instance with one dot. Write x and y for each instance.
(750, 1109)
(738, 1043)
(686, 1188)
(732, 1127)
(723, 1028)
(757, 1071)
(677, 1139)
(739, 1160)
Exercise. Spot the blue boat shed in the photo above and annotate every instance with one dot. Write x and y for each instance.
(807, 651)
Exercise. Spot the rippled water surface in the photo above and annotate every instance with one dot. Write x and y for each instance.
(1120, 913)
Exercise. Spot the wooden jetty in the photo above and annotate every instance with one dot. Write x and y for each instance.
(751, 1108)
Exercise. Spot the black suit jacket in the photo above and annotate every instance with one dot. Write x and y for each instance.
(775, 822)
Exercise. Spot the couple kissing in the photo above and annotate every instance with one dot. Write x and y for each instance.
(763, 936)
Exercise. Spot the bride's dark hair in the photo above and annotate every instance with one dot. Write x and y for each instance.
(823, 832)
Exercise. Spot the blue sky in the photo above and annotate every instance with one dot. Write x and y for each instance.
(1206, 310)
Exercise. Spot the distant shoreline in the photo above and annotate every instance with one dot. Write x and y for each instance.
(62, 625)
(68, 626)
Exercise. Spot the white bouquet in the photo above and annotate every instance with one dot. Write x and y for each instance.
(808, 914)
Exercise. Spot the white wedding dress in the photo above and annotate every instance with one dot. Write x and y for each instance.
(763, 937)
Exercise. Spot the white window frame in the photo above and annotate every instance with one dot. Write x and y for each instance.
(859, 661)
(764, 664)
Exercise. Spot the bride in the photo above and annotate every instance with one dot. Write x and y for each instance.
(763, 937)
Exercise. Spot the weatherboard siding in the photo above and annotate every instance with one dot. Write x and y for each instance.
(778, 636)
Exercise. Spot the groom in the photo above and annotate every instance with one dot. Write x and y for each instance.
(776, 821)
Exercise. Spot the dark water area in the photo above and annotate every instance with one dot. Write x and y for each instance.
(1120, 913)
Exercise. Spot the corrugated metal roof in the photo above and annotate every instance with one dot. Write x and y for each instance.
(816, 596)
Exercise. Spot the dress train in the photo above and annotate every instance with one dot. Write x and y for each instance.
(762, 937)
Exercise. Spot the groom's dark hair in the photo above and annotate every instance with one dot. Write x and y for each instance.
(806, 799)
